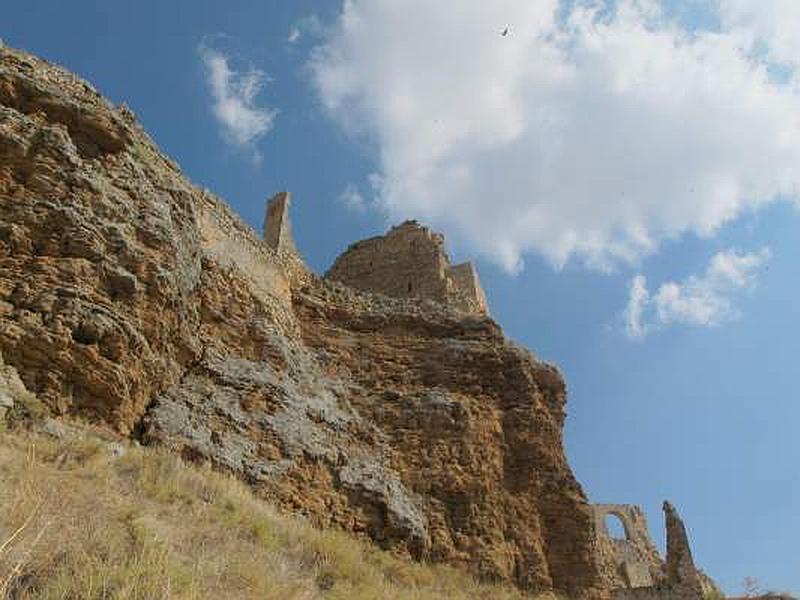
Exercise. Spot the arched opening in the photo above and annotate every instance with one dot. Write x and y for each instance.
(615, 527)
(410, 287)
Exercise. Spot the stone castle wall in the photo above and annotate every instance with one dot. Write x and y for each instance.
(633, 565)
(410, 262)
(632, 562)
(471, 296)
(278, 237)
(277, 227)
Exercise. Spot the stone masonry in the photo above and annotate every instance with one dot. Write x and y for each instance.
(637, 571)
(278, 237)
(277, 227)
(410, 262)
(681, 572)
(632, 562)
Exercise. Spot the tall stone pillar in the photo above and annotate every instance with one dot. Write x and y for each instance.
(277, 227)
(681, 572)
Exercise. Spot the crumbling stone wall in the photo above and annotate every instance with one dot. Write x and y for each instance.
(681, 572)
(278, 237)
(675, 579)
(277, 227)
(232, 243)
(410, 262)
(471, 295)
(632, 562)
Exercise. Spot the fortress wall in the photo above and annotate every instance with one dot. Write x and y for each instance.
(632, 562)
(232, 244)
(468, 288)
(408, 262)
(636, 569)
(277, 226)
(278, 237)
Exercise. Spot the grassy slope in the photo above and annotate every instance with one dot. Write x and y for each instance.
(79, 523)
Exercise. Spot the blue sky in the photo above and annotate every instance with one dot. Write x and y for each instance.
(645, 140)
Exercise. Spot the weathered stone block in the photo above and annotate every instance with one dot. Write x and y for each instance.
(410, 262)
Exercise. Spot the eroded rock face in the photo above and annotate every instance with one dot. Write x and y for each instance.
(132, 299)
(99, 248)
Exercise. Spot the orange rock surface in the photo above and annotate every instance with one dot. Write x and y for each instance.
(134, 300)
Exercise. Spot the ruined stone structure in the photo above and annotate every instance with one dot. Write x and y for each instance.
(278, 238)
(633, 561)
(277, 226)
(410, 262)
(633, 564)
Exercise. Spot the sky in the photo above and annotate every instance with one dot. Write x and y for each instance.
(625, 174)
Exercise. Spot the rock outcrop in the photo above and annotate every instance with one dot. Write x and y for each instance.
(137, 302)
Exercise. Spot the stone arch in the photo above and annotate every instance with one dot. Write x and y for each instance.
(615, 526)
(631, 561)
(623, 513)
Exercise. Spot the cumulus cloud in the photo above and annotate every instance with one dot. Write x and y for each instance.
(242, 121)
(294, 35)
(702, 300)
(769, 26)
(352, 199)
(592, 133)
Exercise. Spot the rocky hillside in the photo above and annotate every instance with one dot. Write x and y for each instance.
(138, 303)
(84, 519)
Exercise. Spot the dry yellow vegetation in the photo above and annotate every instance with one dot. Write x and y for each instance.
(79, 522)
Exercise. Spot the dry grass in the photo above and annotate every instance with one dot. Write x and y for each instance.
(77, 523)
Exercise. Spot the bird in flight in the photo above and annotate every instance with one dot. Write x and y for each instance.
(504, 33)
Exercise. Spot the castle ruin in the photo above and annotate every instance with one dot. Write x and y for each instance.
(277, 226)
(632, 561)
(633, 565)
(408, 262)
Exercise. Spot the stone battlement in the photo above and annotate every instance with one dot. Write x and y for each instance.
(410, 261)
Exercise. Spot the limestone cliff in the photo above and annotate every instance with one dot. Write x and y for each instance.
(135, 301)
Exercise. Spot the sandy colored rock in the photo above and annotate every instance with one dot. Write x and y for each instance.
(133, 300)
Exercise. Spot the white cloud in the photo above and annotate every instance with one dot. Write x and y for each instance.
(772, 24)
(702, 300)
(594, 136)
(352, 199)
(638, 299)
(234, 93)
(309, 26)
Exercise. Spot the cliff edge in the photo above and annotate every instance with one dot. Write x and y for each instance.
(138, 303)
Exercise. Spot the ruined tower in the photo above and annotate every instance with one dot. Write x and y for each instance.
(681, 571)
(278, 237)
(410, 261)
(633, 566)
(277, 227)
